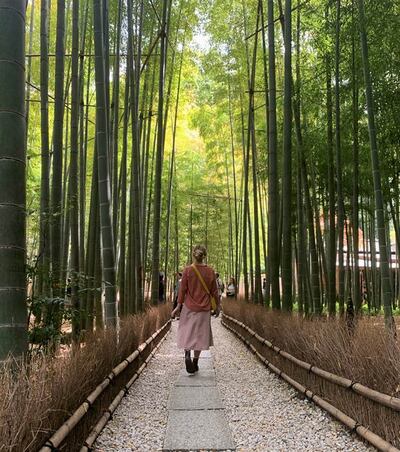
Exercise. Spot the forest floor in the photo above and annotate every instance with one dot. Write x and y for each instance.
(259, 411)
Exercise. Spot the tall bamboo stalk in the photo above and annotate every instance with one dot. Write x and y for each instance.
(252, 132)
(287, 301)
(57, 161)
(355, 203)
(273, 201)
(331, 195)
(378, 196)
(73, 174)
(106, 227)
(172, 166)
(13, 325)
(159, 158)
(44, 246)
(339, 171)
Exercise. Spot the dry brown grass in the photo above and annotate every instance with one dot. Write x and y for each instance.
(366, 354)
(36, 399)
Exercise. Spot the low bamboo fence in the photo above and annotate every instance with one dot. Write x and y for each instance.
(94, 413)
(254, 341)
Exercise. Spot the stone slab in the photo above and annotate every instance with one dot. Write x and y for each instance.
(198, 430)
(205, 354)
(194, 398)
(206, 364)
(203, 378)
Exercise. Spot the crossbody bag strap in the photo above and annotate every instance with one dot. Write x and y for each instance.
(201, 279)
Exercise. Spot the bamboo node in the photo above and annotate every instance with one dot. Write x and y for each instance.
(352, 385)
(50, 445)
(356, 425)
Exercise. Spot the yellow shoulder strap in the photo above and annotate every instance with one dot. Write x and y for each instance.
(201, 279)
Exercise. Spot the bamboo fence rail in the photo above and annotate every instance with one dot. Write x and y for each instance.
(90, 440)
(54, 442)
(364, 391)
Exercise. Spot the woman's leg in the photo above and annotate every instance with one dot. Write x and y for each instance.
(190, 368)
(196, 360)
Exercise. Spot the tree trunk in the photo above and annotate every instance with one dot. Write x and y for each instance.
(123, 192)
(339, 171)
(171, 173)
(253, 144)
(73, 174)
(106, 227)
(13, 324)
(356, 278)
(159, 160)
(57, 162)
(380, 217)
(273, 201)
(331, 196)
(29, 68)
(44, 245)
(135, 230)
(287, 302)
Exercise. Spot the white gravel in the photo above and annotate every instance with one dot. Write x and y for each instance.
(263, 412)
(140, 421)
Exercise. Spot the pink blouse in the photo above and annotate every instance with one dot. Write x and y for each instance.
(192, 292)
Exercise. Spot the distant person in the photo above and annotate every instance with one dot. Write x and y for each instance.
(176, 289)
(350, 315)
(197, 287)
(69, 288)
(264, 288)
(220, 285)
(161, 288)
(231, 288)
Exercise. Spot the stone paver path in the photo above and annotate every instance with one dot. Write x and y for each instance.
(233, 401)
(196, 414)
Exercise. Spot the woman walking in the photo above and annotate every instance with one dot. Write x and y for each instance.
(197, 289)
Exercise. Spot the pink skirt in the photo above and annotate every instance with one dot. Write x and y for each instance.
(194, 330)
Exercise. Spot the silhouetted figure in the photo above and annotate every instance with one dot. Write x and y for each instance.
(350, 315)
(161, 289)
(220, 285)
(231, 288)
(176, 289)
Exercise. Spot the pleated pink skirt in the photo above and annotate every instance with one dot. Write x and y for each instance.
(194, 330)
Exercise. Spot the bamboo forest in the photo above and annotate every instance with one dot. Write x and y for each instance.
(134, 131)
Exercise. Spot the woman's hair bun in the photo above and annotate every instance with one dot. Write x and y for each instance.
(199, 252)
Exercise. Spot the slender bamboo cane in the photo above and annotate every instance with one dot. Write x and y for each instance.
(106, 227)
(159, 159)
(384, 260)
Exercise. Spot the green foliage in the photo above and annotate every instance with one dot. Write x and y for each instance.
(213, 35)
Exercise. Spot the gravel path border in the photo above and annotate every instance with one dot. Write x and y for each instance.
(269, 415)
(263, 412)
(140, 421)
